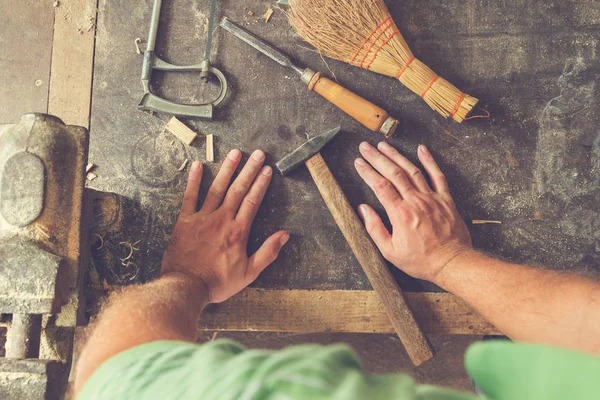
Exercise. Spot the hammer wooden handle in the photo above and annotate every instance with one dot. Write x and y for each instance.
(417, 346)
(362, 110)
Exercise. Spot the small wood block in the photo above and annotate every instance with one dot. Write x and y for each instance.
(210, 152)
(181, 131)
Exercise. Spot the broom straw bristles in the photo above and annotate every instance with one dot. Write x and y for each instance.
(362, 33)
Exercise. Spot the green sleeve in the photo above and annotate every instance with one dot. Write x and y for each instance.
(224, 370)
(517, 371)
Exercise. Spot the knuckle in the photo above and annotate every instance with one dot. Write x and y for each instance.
(216, 192)
(422, 204)
(415, 173)
(381, 185)
(404, 213)
(236, 234)
(370, 229)
(397, 172)
(251, 201)
(273, 252)
(238, 190)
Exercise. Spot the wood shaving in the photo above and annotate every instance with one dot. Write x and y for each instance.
(484, 221)
(268, 14)
(132, 248)
(101, 240)
(185, 163)
(137, 42)
(42, 231)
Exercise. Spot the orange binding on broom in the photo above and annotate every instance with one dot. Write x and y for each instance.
(362, 33)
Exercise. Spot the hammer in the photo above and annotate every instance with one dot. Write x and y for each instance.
(417, 346)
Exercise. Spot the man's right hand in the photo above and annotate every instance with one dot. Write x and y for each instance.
(427, 231)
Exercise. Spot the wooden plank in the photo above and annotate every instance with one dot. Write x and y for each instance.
(181, 131)
(339, 311)
(72, 61)
(25, 56)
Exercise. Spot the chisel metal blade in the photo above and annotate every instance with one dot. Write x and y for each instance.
(259, 45)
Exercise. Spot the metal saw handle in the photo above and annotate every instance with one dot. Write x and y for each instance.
(151, 102)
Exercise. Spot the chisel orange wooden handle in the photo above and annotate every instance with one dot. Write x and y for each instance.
(373, 117)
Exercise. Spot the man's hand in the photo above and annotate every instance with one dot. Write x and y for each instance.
(427, 232)
(209, 246)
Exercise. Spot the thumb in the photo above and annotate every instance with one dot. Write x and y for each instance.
(374, 226)
(266, 254)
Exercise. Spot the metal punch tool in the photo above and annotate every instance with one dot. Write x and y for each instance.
(152, 102)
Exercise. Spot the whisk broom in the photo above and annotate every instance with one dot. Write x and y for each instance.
(362, 33)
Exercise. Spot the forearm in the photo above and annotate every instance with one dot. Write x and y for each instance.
(526, 303)
(165, 309)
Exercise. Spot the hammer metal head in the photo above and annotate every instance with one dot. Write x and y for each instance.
(306, 151)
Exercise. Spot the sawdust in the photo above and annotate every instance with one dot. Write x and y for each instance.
(84, 22)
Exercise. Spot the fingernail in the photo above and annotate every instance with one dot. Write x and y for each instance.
(258, 155)
(234, 155)
(267, 171)
(360, 162)
(385, 146)
(362, 209)
(196, 166)
(423, 149)
(284, 238)
(365, 146)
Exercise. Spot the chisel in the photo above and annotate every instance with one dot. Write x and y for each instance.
(365, 112)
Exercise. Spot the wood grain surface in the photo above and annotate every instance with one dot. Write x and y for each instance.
(358, 311)
(25, 57)
(70, 94)
(382, 280)
(181, 131)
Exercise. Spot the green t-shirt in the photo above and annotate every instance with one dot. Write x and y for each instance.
(223, 369)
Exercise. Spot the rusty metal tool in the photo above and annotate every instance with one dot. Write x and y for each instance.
(42, 178)
(152, 102)
(365, 112)
(416, 343)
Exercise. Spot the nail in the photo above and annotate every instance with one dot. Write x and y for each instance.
(423, 149)
(385, 146)
(284, 238)
(196, 166)
(258, 155)
(365, 146)
(234, 155)
(361, 162)
(362, 209)
(267, 171)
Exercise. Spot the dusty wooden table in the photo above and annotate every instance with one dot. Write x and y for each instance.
(534, 165)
